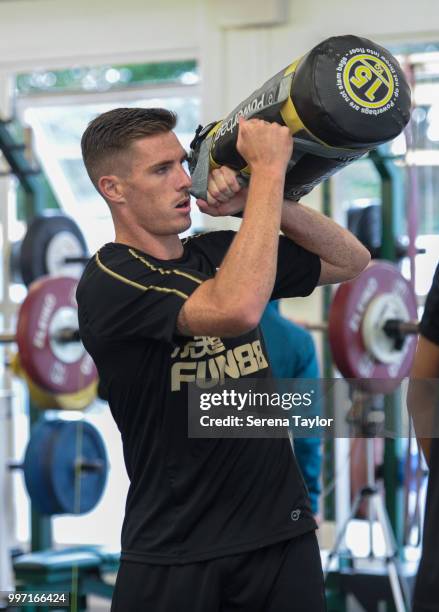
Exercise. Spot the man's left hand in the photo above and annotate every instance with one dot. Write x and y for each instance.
(225, 196)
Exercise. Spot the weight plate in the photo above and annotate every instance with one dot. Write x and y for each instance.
(64, 401)
(66, 369)
(56, 455)
(358, 301)
(35, 467)
(78, 442)
(51, 238)
(383, 308)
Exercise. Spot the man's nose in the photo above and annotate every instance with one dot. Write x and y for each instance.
(185, 179)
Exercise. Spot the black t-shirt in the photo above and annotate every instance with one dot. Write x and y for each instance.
(189, 499)
(426, 595)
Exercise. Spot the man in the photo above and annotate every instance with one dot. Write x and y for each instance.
(292, 354)
(423, 405)
(210, 524)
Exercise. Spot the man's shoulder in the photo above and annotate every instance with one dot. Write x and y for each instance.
(111, 263)
(122, 262)
(119, 273)
(210, 245)
(209, 237)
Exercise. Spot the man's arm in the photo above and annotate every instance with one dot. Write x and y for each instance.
(421, 400)
(232, 303)
(342, 256)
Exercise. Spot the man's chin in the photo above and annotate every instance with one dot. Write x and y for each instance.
(186, 225)
(181, 226)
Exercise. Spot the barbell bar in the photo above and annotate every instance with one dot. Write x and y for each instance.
(63, 336)
(80, 464)
(392, 327)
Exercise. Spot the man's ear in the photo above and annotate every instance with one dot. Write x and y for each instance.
(111, 188)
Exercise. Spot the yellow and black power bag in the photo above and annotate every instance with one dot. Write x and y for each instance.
(340, 100)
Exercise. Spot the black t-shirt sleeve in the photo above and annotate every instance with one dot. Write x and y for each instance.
(298, 270)
(214, 245)
(134, 300)
(429, 325)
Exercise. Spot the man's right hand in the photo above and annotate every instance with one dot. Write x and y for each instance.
(265, 146)
(225, 196)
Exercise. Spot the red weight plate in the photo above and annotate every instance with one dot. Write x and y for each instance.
(345, 322)
(61, 369)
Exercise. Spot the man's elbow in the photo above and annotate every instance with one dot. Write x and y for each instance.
(352, 267)
(244, 324)
(360, 260)
(241, 320)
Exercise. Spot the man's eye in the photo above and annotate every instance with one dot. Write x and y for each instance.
(162, 170)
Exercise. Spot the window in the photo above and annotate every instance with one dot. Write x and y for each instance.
(53, 103)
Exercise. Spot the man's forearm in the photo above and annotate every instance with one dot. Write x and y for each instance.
(232, 303)
(249, 268)
(321, 235)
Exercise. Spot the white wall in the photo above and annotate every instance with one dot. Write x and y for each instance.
(53, 32)
(50, 33)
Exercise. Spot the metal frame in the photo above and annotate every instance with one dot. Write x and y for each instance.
(387, 171)
(27, 176)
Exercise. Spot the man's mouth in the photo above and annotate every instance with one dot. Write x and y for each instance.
(184, 204)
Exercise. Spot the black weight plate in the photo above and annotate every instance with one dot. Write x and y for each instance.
(41, 231)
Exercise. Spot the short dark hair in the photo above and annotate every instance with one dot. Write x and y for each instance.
(112, 133)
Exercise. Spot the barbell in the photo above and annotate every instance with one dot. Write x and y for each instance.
(372, 327)
(59, 371)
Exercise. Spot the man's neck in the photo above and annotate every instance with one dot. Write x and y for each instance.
(160, 247)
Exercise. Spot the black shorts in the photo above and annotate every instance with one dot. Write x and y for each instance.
(284, 577)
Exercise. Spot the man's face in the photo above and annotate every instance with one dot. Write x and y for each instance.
(156, 189)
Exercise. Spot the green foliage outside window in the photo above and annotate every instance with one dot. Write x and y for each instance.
(105, 77)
